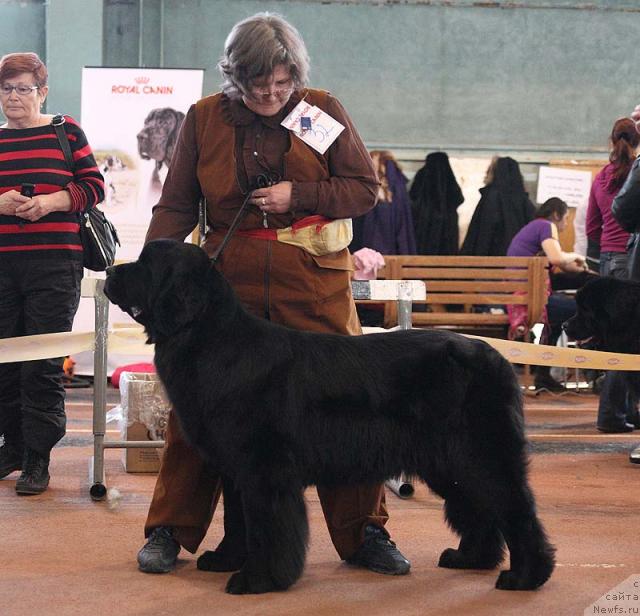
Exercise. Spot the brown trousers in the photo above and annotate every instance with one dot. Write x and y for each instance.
(306, 293)
(186, 495)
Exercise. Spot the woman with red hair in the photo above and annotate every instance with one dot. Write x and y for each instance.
(618, 410)
(40, 261)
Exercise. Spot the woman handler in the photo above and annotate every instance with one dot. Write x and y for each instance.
(232, 147)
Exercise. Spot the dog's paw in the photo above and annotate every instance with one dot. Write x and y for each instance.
(510, 580)
(451, 559)
(217, 560)
(455, 559)
(243, 583)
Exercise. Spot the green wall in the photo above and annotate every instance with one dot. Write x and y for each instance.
(537, 76)
(452, 74)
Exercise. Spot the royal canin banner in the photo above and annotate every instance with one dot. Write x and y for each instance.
(131, 117)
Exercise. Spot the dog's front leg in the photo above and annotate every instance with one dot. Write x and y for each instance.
(231, 553)
(277, 535)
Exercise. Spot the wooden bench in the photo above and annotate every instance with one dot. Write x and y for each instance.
(469, 294)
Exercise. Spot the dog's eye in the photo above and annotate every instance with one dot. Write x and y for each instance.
(135, 311)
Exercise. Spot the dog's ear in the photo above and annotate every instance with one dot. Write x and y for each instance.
(173, 136)
(180, 296)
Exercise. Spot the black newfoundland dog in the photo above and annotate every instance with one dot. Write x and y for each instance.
(276, 410)
(607, 318)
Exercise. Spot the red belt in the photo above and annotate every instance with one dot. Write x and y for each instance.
(272, 234)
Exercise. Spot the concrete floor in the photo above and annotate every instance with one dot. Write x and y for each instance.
(61, 553)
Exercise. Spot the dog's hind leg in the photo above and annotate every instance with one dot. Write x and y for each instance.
(481, 543)
(277, 536)
(532, 556)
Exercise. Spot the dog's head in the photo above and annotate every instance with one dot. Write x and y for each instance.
(158, 137)
(607, 315)
(165, 290)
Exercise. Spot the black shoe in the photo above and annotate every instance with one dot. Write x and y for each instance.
(626, 427)
(547, 382)
(160, 552)
(378, 553)
(634, 456)
(10, 460)
(35, 473)
(634, 420)
(597, 384)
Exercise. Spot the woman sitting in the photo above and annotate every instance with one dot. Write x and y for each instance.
(540, 237)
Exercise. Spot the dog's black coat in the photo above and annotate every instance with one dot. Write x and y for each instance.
(607, 318)
(276, 409)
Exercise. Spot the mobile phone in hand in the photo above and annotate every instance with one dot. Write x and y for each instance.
(27, 189)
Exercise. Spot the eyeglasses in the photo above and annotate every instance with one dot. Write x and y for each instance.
(267, 91)
(6, 89)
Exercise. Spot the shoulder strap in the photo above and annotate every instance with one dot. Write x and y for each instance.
(57, 121)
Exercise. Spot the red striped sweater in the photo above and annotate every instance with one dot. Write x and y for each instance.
(33, 155)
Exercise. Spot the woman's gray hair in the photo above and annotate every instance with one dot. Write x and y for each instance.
(255, 46)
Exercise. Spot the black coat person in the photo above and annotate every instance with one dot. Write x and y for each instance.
(626, 210)
(504, 208)
(435, 196)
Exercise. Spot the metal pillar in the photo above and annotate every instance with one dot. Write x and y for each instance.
(98, 488)
(401, 486)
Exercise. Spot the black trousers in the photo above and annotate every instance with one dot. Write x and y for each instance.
(618, 404)
(37, 296)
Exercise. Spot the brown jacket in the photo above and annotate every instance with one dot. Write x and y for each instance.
(273, 280)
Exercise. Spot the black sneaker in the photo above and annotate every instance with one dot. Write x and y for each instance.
(541, 382)
(634, 456)
(35, 474)
(378, 553)
(634, 419)
(160, 552)
(625, 427)
(10, 460)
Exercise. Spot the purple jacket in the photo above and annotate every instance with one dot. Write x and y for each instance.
(388, 227)
(601, 226)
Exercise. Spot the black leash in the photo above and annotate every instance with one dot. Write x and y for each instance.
(261, 181)
(242, 212)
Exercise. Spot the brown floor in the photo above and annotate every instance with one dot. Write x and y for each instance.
(61, 553)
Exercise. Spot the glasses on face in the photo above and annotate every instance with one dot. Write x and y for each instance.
(280, 89)
(6, 89)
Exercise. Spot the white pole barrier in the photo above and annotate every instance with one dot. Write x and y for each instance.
(400, 486)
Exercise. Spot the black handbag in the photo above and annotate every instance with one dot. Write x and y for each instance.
(97, 234)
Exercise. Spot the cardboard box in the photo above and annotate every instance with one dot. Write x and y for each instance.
(145, 410)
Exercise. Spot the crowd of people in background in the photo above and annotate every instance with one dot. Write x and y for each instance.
(505, 222)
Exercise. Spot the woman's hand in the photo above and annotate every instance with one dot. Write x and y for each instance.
(274, 199)
(575, 263)
(35, 208)
(10, 200)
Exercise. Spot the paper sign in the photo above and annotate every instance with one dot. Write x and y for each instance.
(324, 129)
(570, 185)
